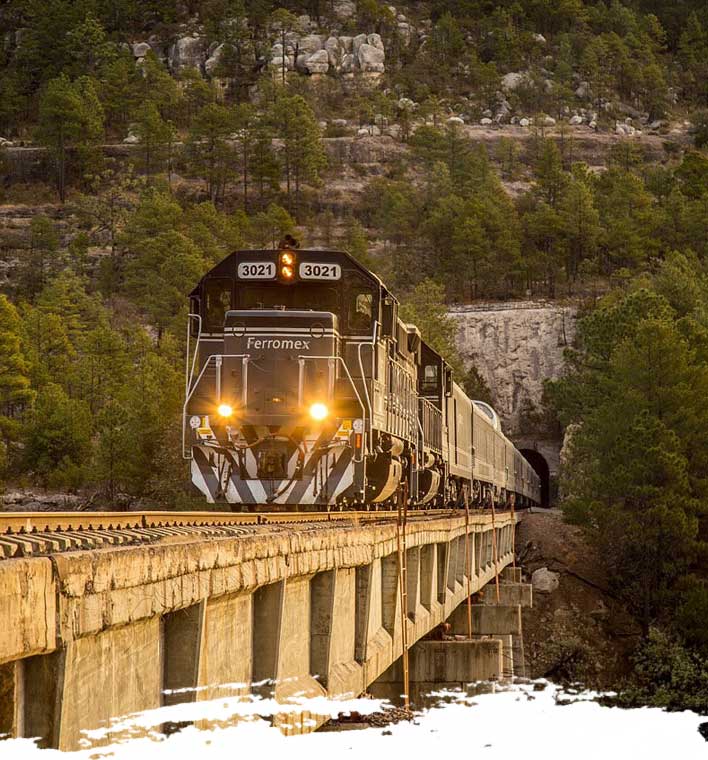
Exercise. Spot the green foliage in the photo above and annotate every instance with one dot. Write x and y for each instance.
(668, 675)
(209, 152)
(156, 136)
(302, 155)
(15, 391)
(70, 117)
(58, 438)
(40, 261)
(424, 307)
(638, 472)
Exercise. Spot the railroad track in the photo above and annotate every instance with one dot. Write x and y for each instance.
(27, 534)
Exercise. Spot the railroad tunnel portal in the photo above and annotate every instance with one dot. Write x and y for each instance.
(540, 465)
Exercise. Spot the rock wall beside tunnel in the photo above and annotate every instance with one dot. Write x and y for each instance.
(516, 346)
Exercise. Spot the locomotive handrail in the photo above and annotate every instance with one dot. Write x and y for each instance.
(194, 387)
(189, 370)
(351, 382)
(371, 343)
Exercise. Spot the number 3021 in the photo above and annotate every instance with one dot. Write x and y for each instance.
(310, 271)
(248, 270)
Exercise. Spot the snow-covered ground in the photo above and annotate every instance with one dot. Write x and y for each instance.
(517, 723)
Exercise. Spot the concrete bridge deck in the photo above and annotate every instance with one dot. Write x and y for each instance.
(89, 635)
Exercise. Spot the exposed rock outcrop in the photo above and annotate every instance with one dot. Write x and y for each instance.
(322, 54)
(516, 347)
(187, 52)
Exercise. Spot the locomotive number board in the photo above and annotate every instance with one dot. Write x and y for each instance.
(316, 271)
(256, 270)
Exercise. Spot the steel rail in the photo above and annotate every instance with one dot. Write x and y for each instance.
(18, 523)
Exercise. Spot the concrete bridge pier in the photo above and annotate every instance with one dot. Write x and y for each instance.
(493, 653)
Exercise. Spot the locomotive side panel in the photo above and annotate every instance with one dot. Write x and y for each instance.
(459, 415)
(483, 446)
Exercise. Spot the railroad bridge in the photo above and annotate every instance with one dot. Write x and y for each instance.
(109, 614)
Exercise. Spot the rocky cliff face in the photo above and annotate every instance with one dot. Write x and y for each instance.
(516, 347)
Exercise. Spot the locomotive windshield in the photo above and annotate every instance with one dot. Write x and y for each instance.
(314, 296)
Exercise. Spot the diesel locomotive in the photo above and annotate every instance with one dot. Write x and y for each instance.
(305, 390)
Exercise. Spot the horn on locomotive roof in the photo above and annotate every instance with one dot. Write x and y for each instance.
(288, 241)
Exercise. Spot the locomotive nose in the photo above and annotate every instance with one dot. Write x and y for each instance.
(281, 365)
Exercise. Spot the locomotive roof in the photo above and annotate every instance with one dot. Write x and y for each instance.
(226, 266)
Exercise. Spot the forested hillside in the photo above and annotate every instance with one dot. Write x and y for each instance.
(464, 149)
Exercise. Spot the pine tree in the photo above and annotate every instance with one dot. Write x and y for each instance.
(70, 117)
(58, 439)
(302, 154)
(156, 137)
(120, 90)
(282, 23)
(15, 391)
(41, 260)
(209, 151)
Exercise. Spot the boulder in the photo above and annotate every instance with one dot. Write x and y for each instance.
(371, 58)
(575, 120)
(629, 111)
(317, 63)
(524, 122)
(357, 42)
(583, 91)
(486, 121)
(141, 49)
(348, 63)
(310, 44)
(539, 38)
(346, 43)
(546, 121)
(406, 104)
(344, 9)
(512, 81)
(456, 120)
(334, 52)
(544, 581)
(375, 40)
(301, 63)
(187, 52)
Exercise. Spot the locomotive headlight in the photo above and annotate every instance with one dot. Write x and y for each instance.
(318, 412)
(287, 258)
(225, 410)
(287, 272)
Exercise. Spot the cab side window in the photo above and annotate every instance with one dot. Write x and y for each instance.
(431, 378)
(217, 301)
(361, 312)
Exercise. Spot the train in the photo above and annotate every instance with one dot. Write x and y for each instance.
(305, 390)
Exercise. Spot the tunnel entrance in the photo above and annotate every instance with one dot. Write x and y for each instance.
(539, 463)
